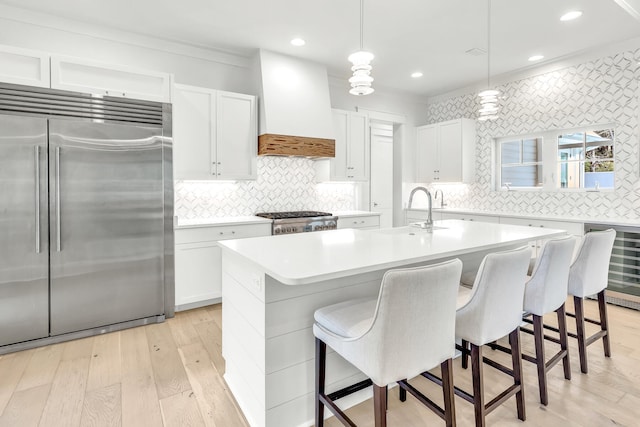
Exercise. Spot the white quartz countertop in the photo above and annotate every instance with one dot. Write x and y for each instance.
(585, 220)
(212, 222)
(353, 214)
(298, 259)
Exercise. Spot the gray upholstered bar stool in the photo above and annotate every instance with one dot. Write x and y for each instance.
(408, 329)
(589, 275)
(546, 292)
(494, 310)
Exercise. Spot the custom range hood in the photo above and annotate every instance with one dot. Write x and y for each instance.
(295, 109)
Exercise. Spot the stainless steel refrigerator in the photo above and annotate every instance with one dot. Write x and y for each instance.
(86, 211)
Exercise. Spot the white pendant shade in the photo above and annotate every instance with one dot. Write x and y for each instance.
(361, 79)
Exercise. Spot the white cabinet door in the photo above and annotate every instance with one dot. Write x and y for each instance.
(236, 136)
(471, 217)
(445, 152)
(426, 153)
(198, 261)
(193, 151)
(351, 162)
(362, 222)
(450, 152)
(341, 129)
(198, 272)
(112, 80)
(358, 147)
(24, 67)
(215, 134)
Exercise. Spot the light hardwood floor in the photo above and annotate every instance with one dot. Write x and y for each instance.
(170, 374)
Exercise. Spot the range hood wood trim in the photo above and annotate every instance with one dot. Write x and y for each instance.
(271, 144)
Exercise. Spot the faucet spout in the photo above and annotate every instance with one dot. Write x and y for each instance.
(435, 197)
(428, 225)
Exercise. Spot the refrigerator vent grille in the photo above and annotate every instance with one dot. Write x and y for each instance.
(56, 103)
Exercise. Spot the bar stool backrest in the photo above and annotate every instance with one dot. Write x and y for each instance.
(589, 273)
(495, 306)
(547, 288)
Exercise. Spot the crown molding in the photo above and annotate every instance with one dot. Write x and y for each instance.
(236, 58)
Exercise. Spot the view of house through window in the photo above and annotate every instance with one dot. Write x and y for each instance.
(521, 163)
(580, 158)
(585, 159)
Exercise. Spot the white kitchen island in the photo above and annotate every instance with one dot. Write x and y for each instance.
(271, 287)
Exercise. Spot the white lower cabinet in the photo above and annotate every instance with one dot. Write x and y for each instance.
(198, 261)
(574, 228)
(362, 222)
(471, 217)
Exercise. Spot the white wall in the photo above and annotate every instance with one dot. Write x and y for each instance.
(595, 92)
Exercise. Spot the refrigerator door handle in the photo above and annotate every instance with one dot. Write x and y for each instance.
(58, 248)
(37, 169)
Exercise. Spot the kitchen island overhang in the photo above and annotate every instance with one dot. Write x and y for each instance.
(272, 286)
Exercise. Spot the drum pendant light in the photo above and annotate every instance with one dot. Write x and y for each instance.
(488, 97)
(361, 79)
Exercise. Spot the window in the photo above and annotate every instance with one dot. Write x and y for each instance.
(562, 159)
(521, 163)
(585, 159)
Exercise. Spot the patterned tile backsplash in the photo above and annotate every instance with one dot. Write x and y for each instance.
(603, 91)
(283, 184)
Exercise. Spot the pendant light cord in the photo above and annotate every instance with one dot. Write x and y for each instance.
(488, 44)
(361, 25)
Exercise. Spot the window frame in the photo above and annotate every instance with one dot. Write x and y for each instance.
(550, 159)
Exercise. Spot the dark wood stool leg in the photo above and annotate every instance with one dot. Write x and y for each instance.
(403, 394)
(478, 384)
(465, 354)
(562, 327)
(447, 391)
(516, 357)
(380, 405)
(581, 333)
(604, 323)
(321, 361)
(538, 335)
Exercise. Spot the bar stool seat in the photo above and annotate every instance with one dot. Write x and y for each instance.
(408, 329)
(494, 310)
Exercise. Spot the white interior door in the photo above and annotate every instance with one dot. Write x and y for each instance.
(382, 172)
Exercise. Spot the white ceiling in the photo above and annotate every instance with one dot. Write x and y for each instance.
(405, 35)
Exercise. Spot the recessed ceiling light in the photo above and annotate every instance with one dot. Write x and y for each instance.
(569, 16)
(416, 75)
(298, 42)
(533, 58)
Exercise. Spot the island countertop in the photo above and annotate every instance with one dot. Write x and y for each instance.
(299, 259)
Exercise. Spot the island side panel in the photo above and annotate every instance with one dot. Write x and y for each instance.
(243, 334)
(290, 346)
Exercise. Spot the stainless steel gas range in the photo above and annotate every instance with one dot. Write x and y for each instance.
(300, 221)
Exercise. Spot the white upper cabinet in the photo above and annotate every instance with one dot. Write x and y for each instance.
(215, 134)
(352, 147)
(445, 151)
(24, 67)
(79, 75)
(236, 135)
